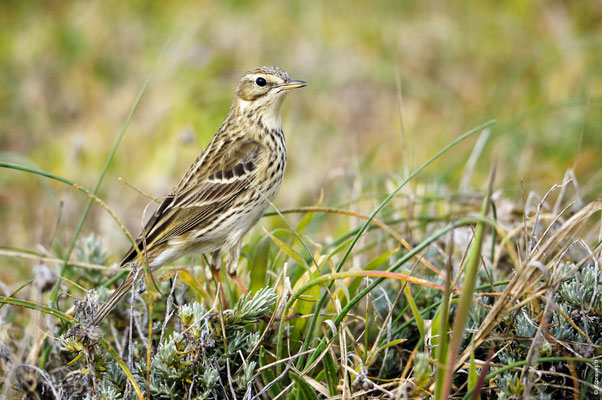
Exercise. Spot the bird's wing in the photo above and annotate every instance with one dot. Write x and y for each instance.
(204, 192)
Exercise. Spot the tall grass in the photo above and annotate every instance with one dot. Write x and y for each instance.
(335, 318)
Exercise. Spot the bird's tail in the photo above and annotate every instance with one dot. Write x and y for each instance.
(117, 295)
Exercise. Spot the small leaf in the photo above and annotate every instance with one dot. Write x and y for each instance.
(288, 250)
(414, 308)
(77, 357)
(191, 281)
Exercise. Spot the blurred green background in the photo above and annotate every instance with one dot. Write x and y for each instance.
(390, 83)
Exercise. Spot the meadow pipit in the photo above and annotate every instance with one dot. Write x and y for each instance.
(227, 188)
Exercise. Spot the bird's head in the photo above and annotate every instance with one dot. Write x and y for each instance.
(261, 90)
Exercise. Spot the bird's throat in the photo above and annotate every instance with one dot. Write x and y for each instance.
(265, 113)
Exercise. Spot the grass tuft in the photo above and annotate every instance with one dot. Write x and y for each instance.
(337, 311)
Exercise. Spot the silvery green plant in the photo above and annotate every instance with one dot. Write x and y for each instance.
(199, 359)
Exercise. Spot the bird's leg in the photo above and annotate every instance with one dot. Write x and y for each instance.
(214, 264)
(233, 255)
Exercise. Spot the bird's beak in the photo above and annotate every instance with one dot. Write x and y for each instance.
(292, 84)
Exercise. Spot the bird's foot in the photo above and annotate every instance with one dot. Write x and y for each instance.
(240, 283)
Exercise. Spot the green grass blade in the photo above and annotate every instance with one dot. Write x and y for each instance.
(392, 269)
(519, 364)
(441, 328)
(23, 160)
(259, 264)
(332, 377)
(441, 339)
(408, 179)
(38, 307)
(473, 263)
(268, 375)
(425, 311)
(313, 322)
(124, 368)
(304, 391)
(80, 188)
(385, 346)
(381, 275)
(415, 312)
(473, 377)
(17, 291)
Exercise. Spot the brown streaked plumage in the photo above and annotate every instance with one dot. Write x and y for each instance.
(227, 188)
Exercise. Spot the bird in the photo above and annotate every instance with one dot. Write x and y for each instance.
(227, 188)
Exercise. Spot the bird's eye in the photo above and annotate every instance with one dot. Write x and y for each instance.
(260, 81)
